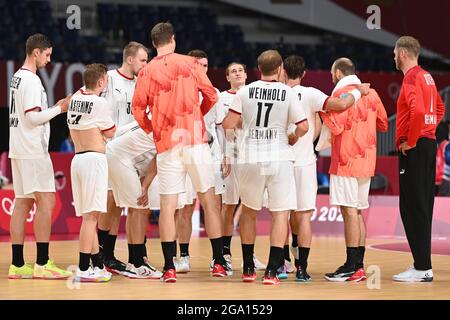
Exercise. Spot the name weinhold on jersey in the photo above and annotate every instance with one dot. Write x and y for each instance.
(263, 134)
(15, 82)
(272, 94)
(81, 106)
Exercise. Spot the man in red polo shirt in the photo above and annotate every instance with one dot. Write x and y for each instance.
(419, 110)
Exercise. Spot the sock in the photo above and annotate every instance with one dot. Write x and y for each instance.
(175, 253)
(247, 255)
(138, 254)
(97, 260)
(217, 248)
(42, 253)
(130, 254)
(17, 255)
(294, 240)
(111, 246)
(226, 244)
(102, 236)
(145, 246)
(352, 257)
(286, 253)
(169, 248)
(362, 251)
(85, 258)
(275, 258)
(184, 249)
(303, 254)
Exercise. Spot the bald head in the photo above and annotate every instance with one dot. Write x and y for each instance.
(341, 68)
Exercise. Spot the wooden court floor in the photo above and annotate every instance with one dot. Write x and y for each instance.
(326, 255)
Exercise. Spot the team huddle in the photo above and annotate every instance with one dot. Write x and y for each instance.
(158, 136)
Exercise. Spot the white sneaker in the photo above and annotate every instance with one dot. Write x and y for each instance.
(93, 275)
(146, 272)
(413, 275)
(227, 258)
(258, 264)
(129, 271)
(183, 265)
(294, 251)
(289, 267)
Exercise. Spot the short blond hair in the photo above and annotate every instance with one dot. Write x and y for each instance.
(132, 48)
(269, 61)
(93, 73)
(410, 44)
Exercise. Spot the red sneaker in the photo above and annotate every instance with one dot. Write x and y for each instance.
(169, 276)
(359, 275)
(249, 275)
(218, 271)
(270, 278)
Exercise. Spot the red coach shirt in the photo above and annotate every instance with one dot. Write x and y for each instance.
(419, 107)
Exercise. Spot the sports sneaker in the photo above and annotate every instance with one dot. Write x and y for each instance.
(227, 258)
(259, 266)
(282, 273)
(289, 267)
(129, 271)
(226, 267)
(50, 271)
(302, 276)
(93, 275)
(23, 272)
(183, 265)
(271, 278)
(249, 275)
(359, 275)
(115, 266)
(343, 273)
(169, 276)
(294, 251)
(146, 272)
(219, 271)
(413, 275)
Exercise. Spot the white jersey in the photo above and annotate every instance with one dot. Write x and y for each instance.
(311, 101)
(88, 111)
(119, 94)
(210, 124)
(27, 141)
(266, 108)
(134, 148)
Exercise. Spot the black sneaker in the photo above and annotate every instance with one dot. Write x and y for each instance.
(343, 273)
(302, 276)
(116, 266)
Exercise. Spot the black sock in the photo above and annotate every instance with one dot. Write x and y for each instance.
(97, 260)
(169, 248)
(247, 255)
(130, 254)
(42, 253)
(352, 257)
(227, 244)
(184, 249)
(102, 236)
(175, 253)
(275, 258)
(303, 254)
(138, 252)
(17, 255)
(286, 253)
(217, 248)
(111, 246)
(362, 251)
(85, 258)
(145, 246)
(294, 240)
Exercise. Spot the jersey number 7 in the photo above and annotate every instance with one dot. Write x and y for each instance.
(266, 117)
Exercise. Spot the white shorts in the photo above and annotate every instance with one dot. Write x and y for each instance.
(349, 192)
(194, 160)
(32, 175)
(154, 198)
(125, 183)
(231, 194)
(306, 186)
(89, 174)
(277, 177)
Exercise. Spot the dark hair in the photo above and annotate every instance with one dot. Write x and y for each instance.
(345, 65)
(37, 41)
(294, 66)
(197, 53)
(227, 69)
(269, 61)
(442, 131)
(162, 34)
(93, 73)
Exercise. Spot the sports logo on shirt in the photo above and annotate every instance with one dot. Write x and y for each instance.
(429, 79)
